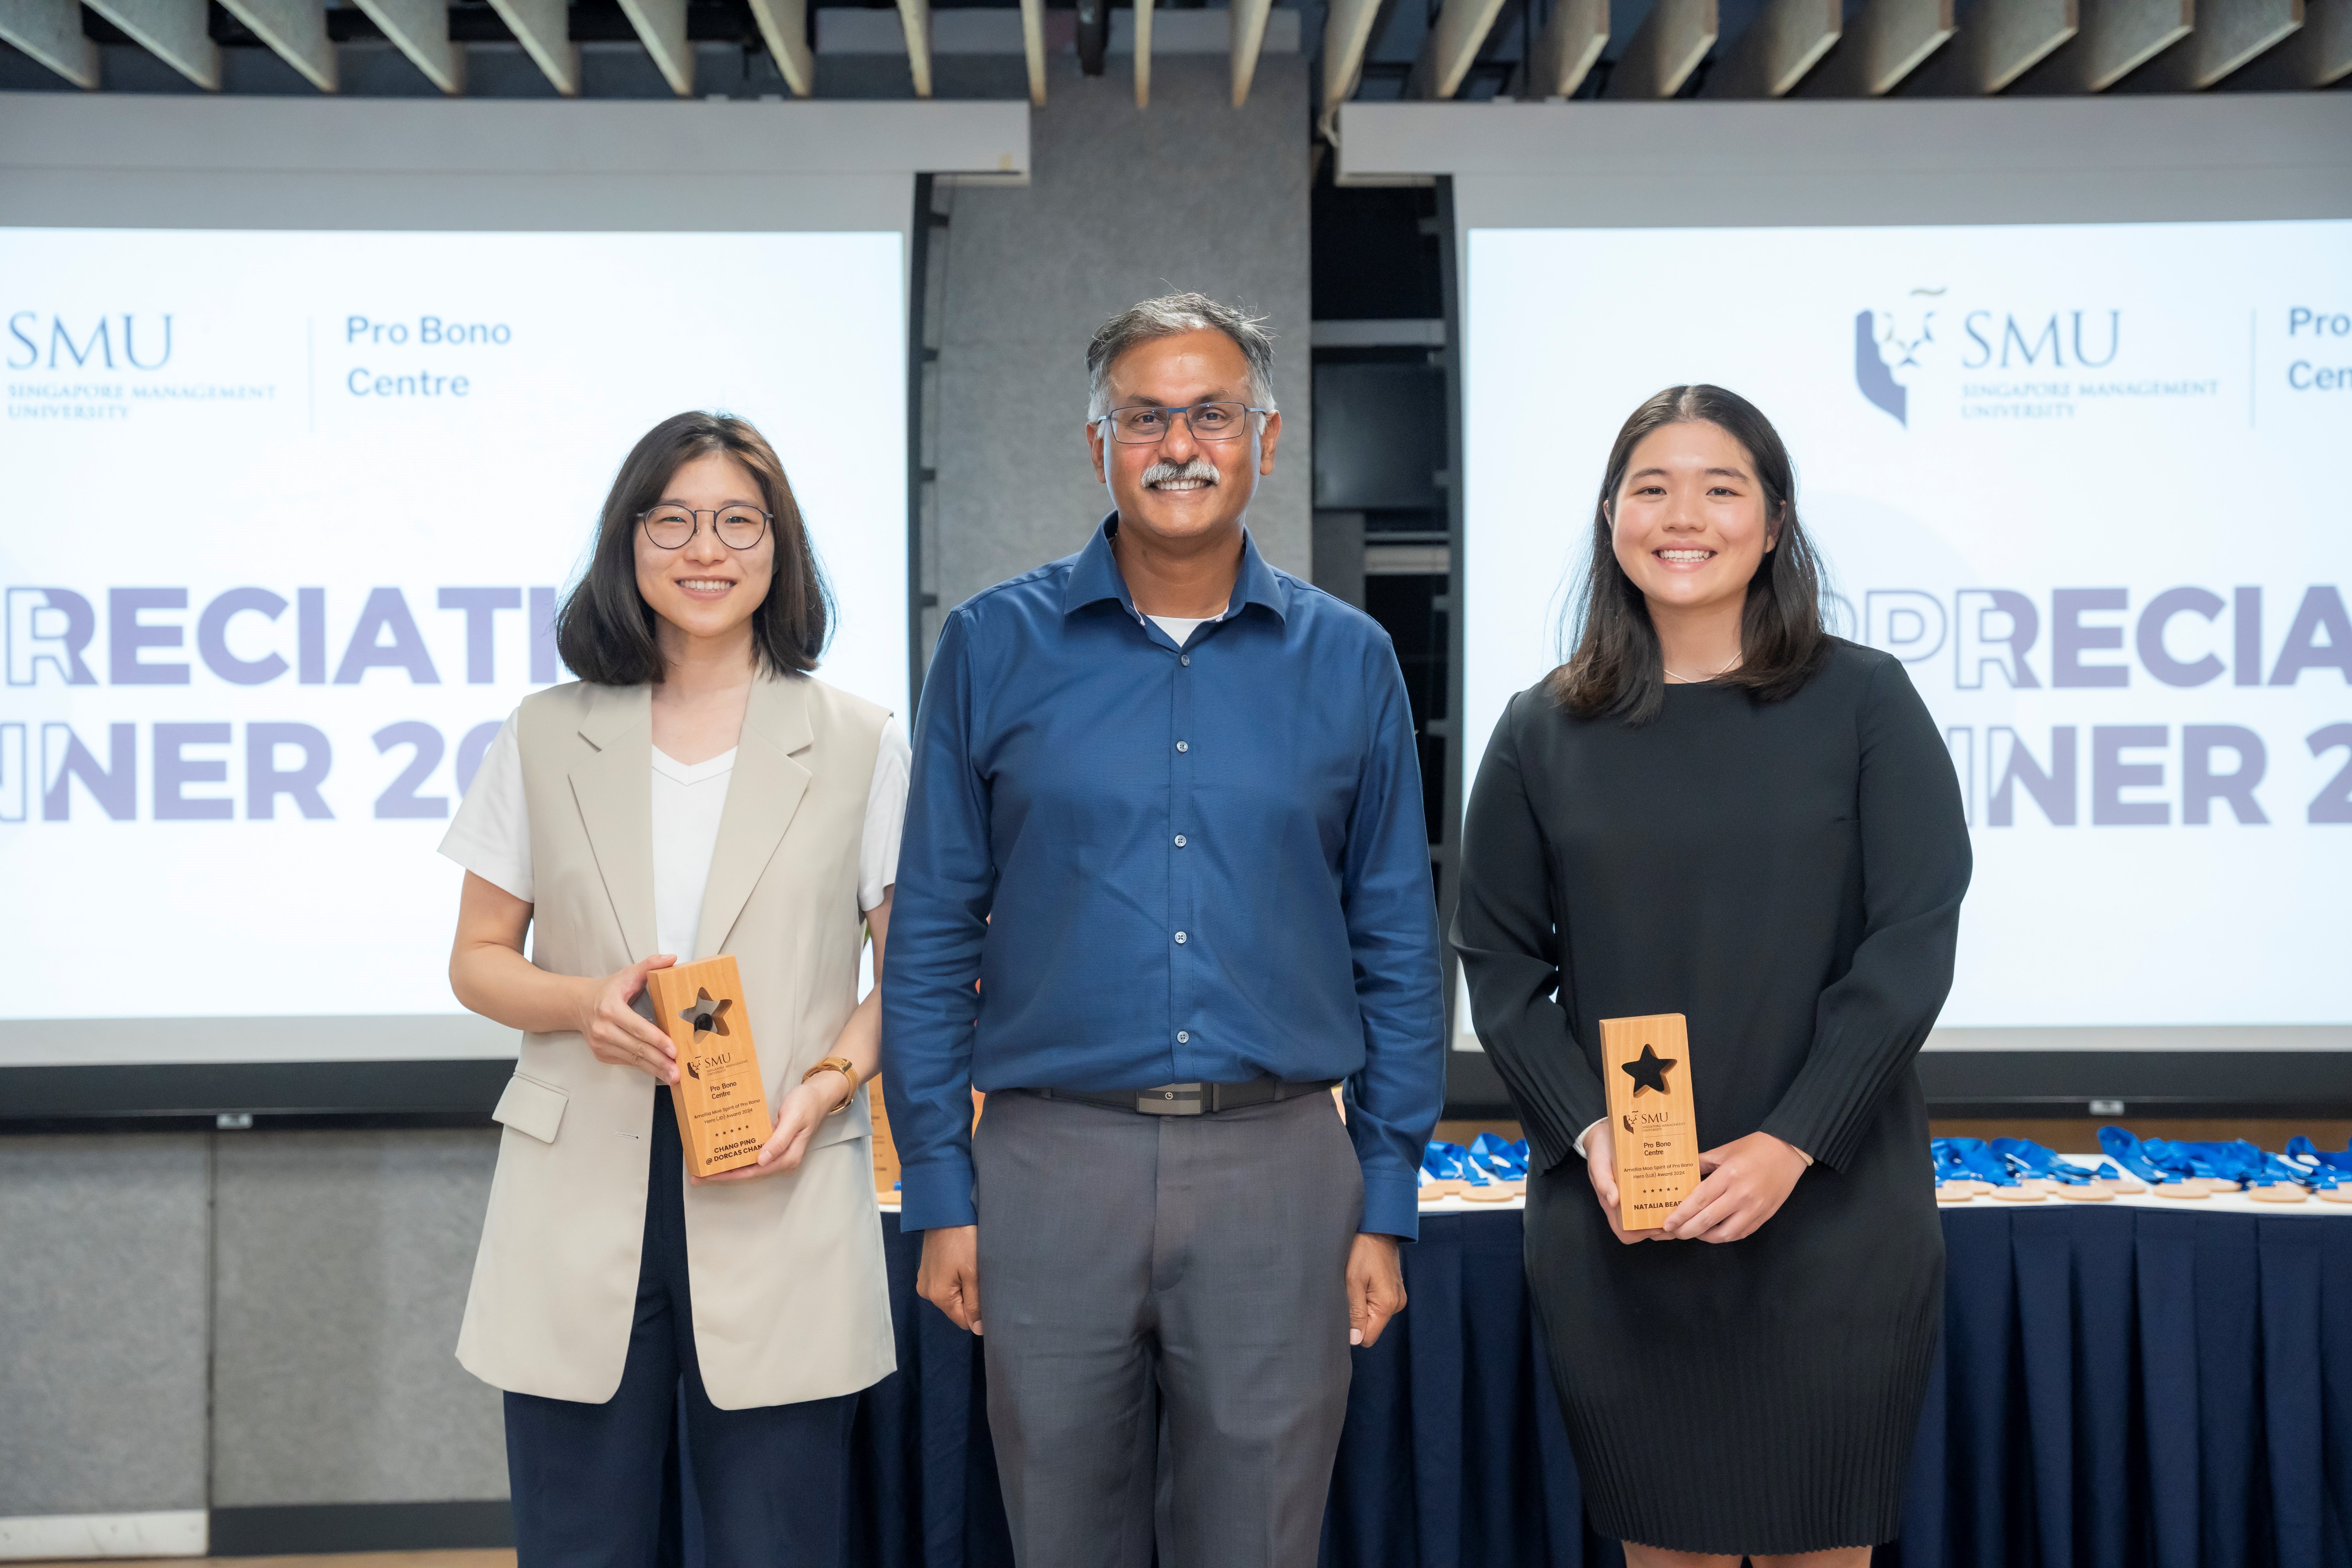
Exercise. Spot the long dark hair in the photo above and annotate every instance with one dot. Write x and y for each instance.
(605, 629)
(1616, 669)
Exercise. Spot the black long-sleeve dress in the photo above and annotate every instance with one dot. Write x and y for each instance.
(1788, 874)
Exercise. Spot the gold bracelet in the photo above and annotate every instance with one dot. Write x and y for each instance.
(840, 1065)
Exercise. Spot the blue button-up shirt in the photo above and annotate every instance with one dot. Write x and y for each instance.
(1162, 865)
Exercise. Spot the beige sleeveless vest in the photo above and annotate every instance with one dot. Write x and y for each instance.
(790, 1299)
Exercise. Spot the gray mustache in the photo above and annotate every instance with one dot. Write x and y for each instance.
(1198, 468)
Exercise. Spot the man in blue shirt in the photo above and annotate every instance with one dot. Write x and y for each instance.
(1164, 882)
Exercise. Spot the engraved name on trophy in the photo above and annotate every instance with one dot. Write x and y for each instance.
(1652, 1122)
(722, 1110)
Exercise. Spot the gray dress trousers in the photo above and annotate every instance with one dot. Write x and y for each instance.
(1165, 1316)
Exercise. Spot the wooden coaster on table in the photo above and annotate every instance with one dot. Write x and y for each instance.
(2021, 1194)
(2082, 1193)
(1492, 1193)
(2276, 1193)
(2180, 1190)
(1952, 1193)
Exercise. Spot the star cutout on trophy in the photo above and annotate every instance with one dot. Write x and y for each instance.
(1650, 1071)
(707, 1016)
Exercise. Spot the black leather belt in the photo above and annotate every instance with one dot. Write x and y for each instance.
(1189, 1098)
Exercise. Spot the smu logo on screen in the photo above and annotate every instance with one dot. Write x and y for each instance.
(49, 340)
(1888, 344)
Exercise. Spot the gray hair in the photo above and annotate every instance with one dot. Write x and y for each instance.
(1164, 318)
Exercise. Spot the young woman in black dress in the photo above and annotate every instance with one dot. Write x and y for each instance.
(1716, 809)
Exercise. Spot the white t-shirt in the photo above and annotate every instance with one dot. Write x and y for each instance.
(1179, 628)
(490, 836)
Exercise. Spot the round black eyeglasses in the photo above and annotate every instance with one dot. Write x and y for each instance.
(674, 527)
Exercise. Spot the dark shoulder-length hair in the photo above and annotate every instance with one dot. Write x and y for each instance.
(1616, 671)
(605, 629)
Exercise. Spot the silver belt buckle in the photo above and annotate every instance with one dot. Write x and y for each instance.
(1173, 1099)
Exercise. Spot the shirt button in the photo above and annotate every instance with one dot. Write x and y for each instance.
(1180, 939)
(1180, 841)
(1181, 746)
(1184, 658)
(1183, 1037)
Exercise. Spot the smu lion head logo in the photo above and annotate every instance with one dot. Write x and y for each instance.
(1888, 342)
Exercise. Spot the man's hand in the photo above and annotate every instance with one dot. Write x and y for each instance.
(1375, 1287)
(1600, 1165)
(949, 1278)
(1746, 1180)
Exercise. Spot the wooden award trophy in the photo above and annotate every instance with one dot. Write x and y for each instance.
(722, 1110)
(1652, 1121)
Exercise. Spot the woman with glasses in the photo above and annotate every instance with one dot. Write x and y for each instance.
(1715, 808)
(696, 792)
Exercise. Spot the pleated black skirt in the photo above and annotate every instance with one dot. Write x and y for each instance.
(1756, 1396)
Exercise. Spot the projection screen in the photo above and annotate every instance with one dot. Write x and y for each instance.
(2066, 386)
(297, 469)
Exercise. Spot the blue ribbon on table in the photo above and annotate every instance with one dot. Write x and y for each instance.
(2300, 1148)
(1979, 1160)
(2127, 1150)
(2034, 1160)
(1452, 1162)
(1499, 1158)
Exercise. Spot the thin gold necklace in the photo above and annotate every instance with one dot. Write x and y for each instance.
(1697, 680)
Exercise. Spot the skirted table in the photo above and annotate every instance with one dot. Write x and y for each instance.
(2122, 1386)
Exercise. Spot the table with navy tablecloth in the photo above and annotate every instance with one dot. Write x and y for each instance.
(2121, 1386)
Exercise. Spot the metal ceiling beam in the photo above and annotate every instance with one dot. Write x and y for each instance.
(915, 16)
(1033, 47)
(1451, 47)
(296, 30)
(2322, 53)
(1249, 36)
(2117, 38)
(1784, 43)
(1665, 49)
(421, 29)
(171, 30)
(50, 32)
(544, 28)
(2327, 33)
(2230, 34)
(660, 26)
(1142, 54)
(1346, 33)
(2315, 55)
(1888, 41)
(2019, 34)
(783, 27)
(2004, 40)
(1569, 47)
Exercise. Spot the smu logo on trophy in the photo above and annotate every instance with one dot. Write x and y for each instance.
(1886, 342)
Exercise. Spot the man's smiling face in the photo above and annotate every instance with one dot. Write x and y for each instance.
(1182, 487)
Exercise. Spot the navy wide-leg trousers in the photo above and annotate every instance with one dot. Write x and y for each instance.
(770, 1483)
